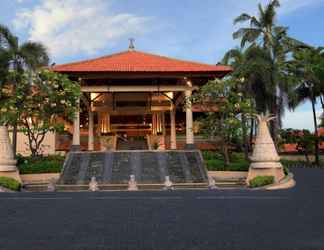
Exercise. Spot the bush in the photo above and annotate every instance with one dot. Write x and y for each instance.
(10, 183)
(43, 164)
(261, 181)
(215, 162)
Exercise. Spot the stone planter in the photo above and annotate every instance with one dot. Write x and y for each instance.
(7, 161)
(265, 160)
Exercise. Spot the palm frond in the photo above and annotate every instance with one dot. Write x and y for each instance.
(242, 18)
(34, 54)
(7, 39)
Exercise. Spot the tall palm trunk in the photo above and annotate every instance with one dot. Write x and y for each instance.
(251, 132)
(245, 138)
(315, 130)
(14, 140)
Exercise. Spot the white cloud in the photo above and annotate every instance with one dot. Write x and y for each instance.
(288, 6)
(70, 27)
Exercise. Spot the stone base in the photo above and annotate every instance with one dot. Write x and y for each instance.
(11, 174)
(277, 173)
(75, 148)
(190, 146)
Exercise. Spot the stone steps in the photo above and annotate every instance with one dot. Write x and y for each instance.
(147, 166)
(132, 144)
(123, 187)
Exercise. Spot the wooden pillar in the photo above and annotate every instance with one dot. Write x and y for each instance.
(99, 123)
(189, 121)
(108, 123)
(163, 129)
(173, 136)
(154, 124)
(76, 130)
(90, 131)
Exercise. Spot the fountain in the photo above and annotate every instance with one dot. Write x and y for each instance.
(168, 185)
(211, 183)
(132, 184)
(93, 184)
(51, 187)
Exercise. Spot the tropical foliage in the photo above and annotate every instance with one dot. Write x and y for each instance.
(265, 47)
(9, 183)
(303, 140)
(224, 126)
(307, 67)
(15, 61)
(37, 107)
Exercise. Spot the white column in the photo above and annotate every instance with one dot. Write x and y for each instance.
(90, 132)
(76, 129)
(173, 136)
(189, 119)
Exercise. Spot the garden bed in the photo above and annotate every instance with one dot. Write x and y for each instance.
(215, 162)
(40, 165)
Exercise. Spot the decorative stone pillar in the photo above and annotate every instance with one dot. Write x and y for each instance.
(90, 132)
(7, 162)
(265, 160)
(189, 121)
(173, 136)
(76, 130)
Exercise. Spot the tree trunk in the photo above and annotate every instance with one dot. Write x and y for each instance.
(306, 157)
(245, 138)
(226, 154)
(251, 133)
(14, 140)
(315, 132)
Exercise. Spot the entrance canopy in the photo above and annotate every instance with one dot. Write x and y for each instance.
(137, 83)
(140, 64)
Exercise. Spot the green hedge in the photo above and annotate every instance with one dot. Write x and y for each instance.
(9, 183)
(261, 181)
(214, 162)
(42, 164)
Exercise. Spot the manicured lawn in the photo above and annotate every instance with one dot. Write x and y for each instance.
(45, 164)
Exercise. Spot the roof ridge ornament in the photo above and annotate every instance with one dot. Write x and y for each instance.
(131, 46)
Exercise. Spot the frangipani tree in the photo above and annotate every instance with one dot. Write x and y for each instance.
(226, 123)
(49, 97)
(17, 59)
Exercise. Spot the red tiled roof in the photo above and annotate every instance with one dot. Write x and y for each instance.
(320, 131)
(136, 61)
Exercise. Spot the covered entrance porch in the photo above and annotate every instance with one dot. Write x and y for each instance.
(134, 117)
(136, 96)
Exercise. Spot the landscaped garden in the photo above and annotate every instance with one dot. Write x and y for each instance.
(38, 165)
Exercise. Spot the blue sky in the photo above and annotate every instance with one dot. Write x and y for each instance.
(187, 29)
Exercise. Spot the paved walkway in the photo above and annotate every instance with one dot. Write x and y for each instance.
(237, 219)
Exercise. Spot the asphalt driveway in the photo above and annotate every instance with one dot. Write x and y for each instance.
(227, 219)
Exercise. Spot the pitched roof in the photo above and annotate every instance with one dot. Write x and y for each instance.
(136, 61)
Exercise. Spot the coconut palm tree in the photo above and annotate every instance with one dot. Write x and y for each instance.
(261, 28)
(273, 48)
(16, 59)
(307, 68)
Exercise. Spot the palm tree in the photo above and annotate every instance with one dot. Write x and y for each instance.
(272, 46)
(307, 69)
(16, 59)
(261, 28)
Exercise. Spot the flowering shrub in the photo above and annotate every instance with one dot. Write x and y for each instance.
(37, 103)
